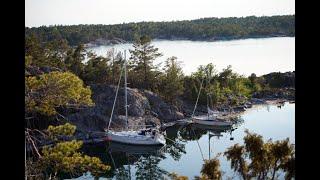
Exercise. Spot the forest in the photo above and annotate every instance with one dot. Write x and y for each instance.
(199, 29)
(57, 55)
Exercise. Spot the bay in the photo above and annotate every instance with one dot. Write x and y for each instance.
(246, 56)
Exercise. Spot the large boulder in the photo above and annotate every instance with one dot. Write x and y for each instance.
(161, 109)
(103, 96)
(187, 108)
(280, 80)
(144, 108)
(97, 117)
(135, 122)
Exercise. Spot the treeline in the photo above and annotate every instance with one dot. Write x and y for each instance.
(199, 29)
(224, 88)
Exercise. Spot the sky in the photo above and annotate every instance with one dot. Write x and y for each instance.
(72, 12)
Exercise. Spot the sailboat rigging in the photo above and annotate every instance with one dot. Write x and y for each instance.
(142, 137)
(211, 118)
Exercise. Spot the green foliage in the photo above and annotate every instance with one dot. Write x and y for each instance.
(255, 159)
(42, 54)
(226, 76)
(289, 167)
(96, 70)
(147, 167)
(238, 163)
(266, 158)
(64, 158)
(224, 87)
(172, 80)
(211, 169)
(34, 50)
(74, 60)
(28, 60)
(199, 29)
(61, 130)
(254, 83)
(51, 90)
(142, 58)
(175, 176)
(56, 51)
(116, 59)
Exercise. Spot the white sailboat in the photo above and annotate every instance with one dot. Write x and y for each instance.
(212, 117)
(142, 137)
(211, 120)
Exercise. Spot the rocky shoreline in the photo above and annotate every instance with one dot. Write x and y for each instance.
(113, 41)
(104, 42)
(145, 109)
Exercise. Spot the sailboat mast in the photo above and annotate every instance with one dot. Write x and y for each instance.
(207, 92)
(209, 144)
(125, 87)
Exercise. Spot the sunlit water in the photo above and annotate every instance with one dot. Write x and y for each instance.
(260, 56)
(185, 156)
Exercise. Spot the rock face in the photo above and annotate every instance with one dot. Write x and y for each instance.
(188, 107)
(144, 108)
(161, 109)
(283, 93)
(280, 80)
(104, 95)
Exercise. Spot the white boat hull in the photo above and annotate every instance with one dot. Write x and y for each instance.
(210, 121)
(132, 137)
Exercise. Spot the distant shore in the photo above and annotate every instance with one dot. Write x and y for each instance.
(115, 41)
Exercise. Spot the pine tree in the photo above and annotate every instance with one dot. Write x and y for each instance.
(172, 82)
(143, 56)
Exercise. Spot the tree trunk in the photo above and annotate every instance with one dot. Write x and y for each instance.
(274, 170)
(146, 83)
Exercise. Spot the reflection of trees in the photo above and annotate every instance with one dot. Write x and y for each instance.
(175, 149)
(172, 132)
(147, 168)
(100, 151)
(191, 133)
(116, 160)
(173, 144)
(122, 173)
(145, 159)
(146, 164)
(238, 121)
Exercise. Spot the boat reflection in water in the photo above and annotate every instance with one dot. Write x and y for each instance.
(133, 149)
(129, 161)
(143, 162)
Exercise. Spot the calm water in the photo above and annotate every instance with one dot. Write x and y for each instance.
(260, 56)
(184, 156)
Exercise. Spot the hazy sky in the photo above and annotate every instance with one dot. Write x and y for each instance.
(66, 12)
